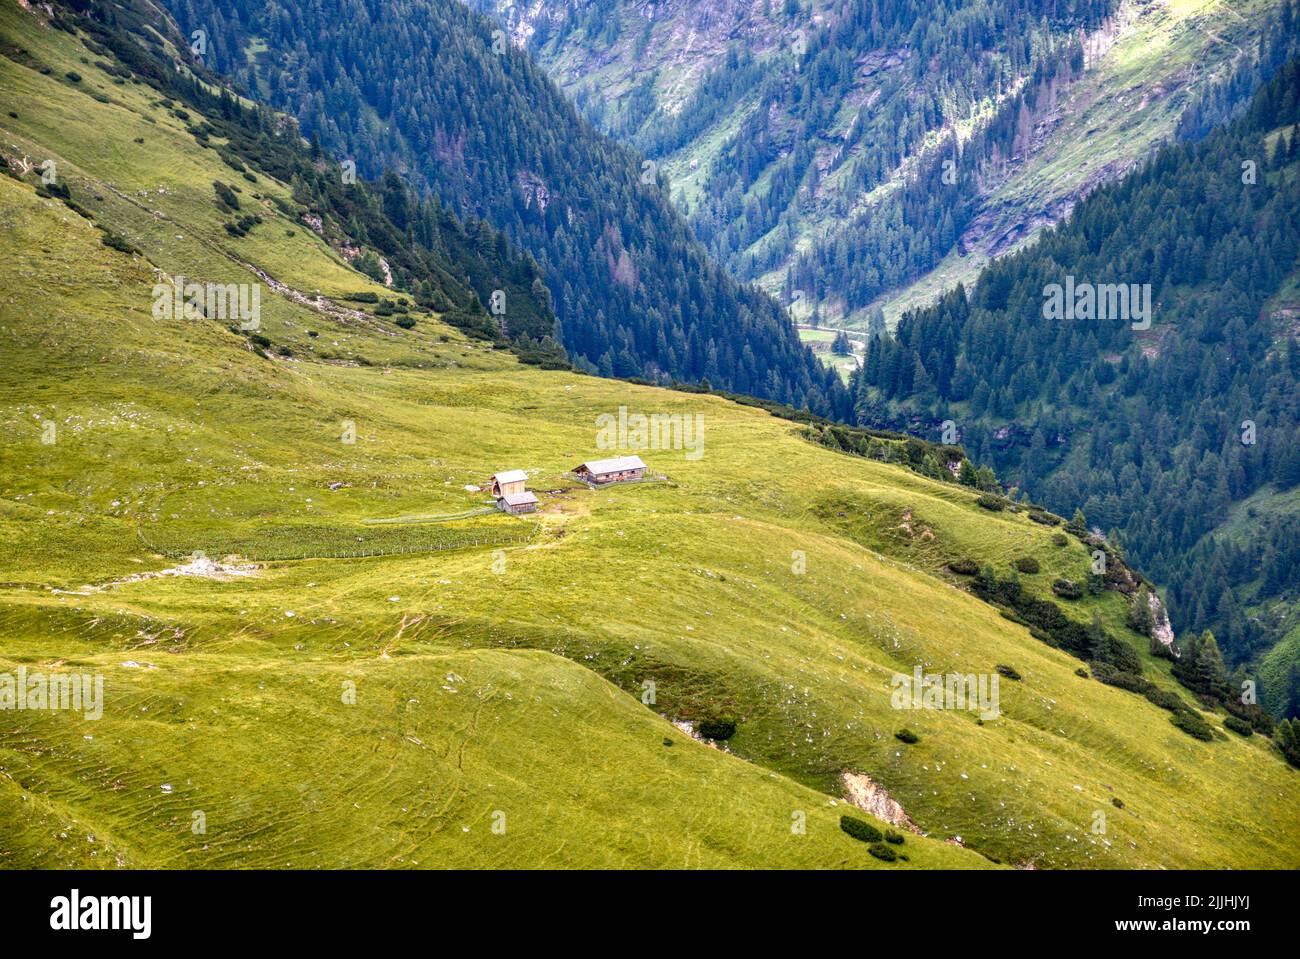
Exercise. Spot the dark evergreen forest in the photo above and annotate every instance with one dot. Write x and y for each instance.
(425, 89)
(1157, 433)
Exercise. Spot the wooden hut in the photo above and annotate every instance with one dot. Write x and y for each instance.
(509, 482)
(620, 469)
(516, 503)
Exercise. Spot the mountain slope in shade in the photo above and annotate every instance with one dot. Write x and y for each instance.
(1177, 430)
(425, 88)
(866, 155)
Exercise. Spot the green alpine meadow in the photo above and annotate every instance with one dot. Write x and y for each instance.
(394, 475)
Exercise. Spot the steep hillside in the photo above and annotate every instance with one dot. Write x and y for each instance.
(364, 668)
(1176, 427)
(426, 89)
(871, 154)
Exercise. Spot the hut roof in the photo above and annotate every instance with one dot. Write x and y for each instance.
(511, 476)
(618, 464)
(519, 499)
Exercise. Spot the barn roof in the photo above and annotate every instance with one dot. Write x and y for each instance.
(519, 499)
(511, 476)
(618, 464)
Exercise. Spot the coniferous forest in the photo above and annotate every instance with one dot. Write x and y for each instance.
(426, 90)
(1155, 433)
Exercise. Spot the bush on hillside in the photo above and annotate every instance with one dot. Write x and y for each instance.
(1164, 699)
(115, 242)
(1192, 724)
(1027, 564)
(907, 736)
(990, 502)
(1288, 740)
(1239, 726)
(882, 852)
(894, 837)
(1007, 671)
(859, 829)
(225, 195)
(717, 728)
(964, 567)
(1108, 674)
(1067, 589)
(1060, 539)
(1251, 713)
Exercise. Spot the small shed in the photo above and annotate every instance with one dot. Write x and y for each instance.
(620, 469)
(516, 503)
(511, 481)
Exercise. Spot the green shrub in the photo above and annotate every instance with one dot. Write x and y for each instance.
(859, 829)
(1106, 673)
(405, 321)
(882, 852)
(1164, 699)
(1192, 724)
(1081, 673)
(1060, 539)
(718, 728)
(1007, 671)
(1027, 564)
(1239, 726)
(1288, 740)
(990, 502)
(964, 567)
(1117, 802)
(225, 195)
(1067, 589)
(907, 736)
(74, 76)
(115, 242)
(894, 837)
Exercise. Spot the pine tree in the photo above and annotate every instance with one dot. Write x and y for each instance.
(1140, 618)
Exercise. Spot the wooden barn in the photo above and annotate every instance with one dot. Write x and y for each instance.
(617, 470)
(511, 481)
(510, 490)
(516, 503)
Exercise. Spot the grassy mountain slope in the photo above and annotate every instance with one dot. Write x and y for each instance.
(492, 677)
